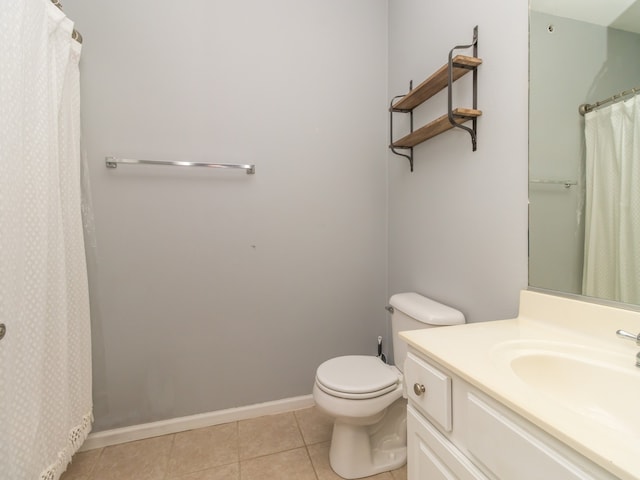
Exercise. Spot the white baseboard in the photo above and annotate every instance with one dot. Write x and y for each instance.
(180, 424)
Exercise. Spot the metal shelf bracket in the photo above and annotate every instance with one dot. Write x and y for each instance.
(473, 130)
(409, 150)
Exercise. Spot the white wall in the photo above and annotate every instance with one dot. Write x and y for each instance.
(458, 224)
(218, 289)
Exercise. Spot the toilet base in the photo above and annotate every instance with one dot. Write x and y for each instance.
(360, 451)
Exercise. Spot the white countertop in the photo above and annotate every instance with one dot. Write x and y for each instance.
(480, 353)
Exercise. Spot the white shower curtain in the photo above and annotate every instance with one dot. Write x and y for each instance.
(612, 222)
(45, 357)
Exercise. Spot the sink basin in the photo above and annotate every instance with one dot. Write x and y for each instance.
(601, 385)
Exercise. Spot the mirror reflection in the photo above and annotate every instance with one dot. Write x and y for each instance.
(584, 170)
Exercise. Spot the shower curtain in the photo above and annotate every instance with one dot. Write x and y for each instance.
(45, 356)
(612, 221)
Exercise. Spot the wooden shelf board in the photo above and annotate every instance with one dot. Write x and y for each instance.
(436, 127)
(462, 64)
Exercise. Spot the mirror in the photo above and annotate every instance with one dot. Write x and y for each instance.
(581, 52)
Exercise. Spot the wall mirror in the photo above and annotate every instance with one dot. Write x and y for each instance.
(584, 170)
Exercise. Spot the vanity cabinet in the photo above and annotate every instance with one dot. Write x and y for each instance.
(455, 431)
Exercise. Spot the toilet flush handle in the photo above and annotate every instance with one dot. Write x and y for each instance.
(418, 389)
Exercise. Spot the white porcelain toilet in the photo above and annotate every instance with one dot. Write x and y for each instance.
(366, 396)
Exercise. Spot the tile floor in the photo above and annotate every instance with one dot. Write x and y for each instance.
(288, 446)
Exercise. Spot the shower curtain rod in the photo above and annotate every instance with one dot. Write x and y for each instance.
(75, 34)
(586, 107)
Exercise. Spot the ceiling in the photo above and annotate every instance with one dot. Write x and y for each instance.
(620, 14)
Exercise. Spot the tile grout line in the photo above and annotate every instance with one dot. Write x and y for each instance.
(315, 472)
(295, 417)
(306, 446)
(166, 468)
(238, 449)
(95, 464)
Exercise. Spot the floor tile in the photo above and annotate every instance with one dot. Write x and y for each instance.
(225, 472)
(204, 448)
(268, 434)
(319, 454)
(141, 460)
(82, 464)
(264, 448)
(316, 427)
(400, 474)
(290, 465)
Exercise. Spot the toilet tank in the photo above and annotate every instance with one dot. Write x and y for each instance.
(412, 311)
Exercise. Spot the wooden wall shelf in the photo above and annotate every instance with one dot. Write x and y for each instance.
(445, 76)
(438, 126)
(436, 82)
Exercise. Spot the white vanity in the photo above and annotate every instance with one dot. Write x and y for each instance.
(552, 394)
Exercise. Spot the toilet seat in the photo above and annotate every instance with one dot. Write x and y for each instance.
(356, 377)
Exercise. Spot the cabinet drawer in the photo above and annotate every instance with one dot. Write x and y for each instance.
(429, 389)
(432, 456)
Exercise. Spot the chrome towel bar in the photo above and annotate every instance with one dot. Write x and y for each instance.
(565, 183)
(112, 162)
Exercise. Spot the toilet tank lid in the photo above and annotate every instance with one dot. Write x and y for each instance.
(426, 310)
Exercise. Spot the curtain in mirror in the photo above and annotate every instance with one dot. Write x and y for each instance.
(612, 221)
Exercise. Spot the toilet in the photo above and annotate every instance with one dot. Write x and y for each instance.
(367, 398)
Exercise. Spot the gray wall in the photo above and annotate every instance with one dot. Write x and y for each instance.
(576, 63)
(458, 224)
(218, 289)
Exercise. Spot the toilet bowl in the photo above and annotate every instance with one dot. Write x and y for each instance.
(367, 399)
(368, 436)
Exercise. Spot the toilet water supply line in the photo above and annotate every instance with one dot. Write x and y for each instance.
(381, 355)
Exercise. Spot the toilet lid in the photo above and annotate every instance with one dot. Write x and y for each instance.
(356, 374)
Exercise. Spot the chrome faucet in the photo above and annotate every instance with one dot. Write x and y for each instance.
(631, 336)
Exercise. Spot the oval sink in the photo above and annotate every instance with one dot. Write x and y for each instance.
(602, 391)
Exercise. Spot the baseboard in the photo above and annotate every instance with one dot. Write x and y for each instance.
(180, 424)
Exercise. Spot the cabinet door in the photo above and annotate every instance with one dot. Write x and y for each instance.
(432, 456)
(511, 452)
(435, 398)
